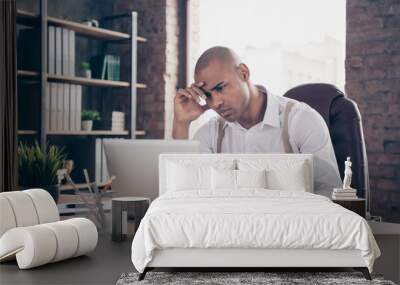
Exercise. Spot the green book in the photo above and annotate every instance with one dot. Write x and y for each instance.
(118, 66)
(98, 65)
(109, 67)
(113, 67)
(103, 72)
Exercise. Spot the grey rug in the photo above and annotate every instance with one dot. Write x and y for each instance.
(225, 278)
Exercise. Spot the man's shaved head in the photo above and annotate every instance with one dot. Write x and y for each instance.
(224, 80)
(223, 54)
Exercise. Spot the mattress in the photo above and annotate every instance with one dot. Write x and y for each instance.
(251, 219)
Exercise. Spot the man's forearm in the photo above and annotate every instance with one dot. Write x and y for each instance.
(180, 130)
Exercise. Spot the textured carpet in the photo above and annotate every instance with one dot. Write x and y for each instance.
(225, 278)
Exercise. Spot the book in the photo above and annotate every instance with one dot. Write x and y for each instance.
(51, 48)
(58, 51)
(53, 106)
(104, 67)
(344, 198)
(65, 52)
(117, 77)
(98, 66)
(110, 64)
(66, 107)
(345, 194)
(340, 190)
(71, 53)
(60, 106)
(78, 101)
(47, 108)
(72, 109)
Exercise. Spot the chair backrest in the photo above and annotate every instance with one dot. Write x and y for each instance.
(345, 127)
(26, 208)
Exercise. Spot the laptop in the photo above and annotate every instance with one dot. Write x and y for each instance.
(135, 163)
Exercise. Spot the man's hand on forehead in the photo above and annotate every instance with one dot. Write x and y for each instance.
(201, 85)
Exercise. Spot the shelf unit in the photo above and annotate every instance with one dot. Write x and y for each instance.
(103, 36)
(28, 18)
(28, 74)
(87, 81)
(80, 28)
(27, 132)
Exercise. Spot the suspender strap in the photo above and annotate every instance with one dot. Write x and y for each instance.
(285, 131)
(221, 133)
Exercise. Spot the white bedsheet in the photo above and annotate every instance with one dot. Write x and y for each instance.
(251, 218)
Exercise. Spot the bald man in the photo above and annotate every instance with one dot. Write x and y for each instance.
(251, 119)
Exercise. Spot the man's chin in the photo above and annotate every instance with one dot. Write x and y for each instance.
(230, 118)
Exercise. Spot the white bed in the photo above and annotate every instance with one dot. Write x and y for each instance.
(199, 226)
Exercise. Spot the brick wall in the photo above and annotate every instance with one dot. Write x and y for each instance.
(157, 63)
(373, 81)
(151, 66)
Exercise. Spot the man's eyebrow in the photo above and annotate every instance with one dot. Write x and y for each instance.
(216, 86)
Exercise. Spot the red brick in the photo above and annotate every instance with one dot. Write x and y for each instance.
(388, 184)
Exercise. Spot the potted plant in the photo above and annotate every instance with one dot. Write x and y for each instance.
(37, 167)
(88, 116)
(85, 71)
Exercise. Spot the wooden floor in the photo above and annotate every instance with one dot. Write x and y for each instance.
(102, 266)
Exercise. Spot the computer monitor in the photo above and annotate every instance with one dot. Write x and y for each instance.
(135, 163)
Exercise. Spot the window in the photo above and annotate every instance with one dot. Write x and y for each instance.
(284, 43)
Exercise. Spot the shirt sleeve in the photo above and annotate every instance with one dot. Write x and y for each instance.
(204, 136)
(309, 133)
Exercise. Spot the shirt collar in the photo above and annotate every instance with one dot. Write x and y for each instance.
(271, 115)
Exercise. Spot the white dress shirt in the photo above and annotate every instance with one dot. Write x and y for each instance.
(308, 133)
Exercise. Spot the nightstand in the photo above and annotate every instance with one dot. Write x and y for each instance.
(356, 205)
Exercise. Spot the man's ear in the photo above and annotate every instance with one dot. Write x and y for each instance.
(244, 71)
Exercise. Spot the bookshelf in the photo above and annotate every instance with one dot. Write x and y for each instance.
(22, 14)
(27, 132)
(87, 81)
(89, 133)
(104, 37)
(28, 74)
(88, 31)
(78, 27)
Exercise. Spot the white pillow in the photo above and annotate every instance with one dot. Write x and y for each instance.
(227, 179)
(293, 179)
(183, 177)
(223, 179)
(281, 174)
(251, 178)
(187, 175)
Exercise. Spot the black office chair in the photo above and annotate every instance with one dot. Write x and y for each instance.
(345, 127)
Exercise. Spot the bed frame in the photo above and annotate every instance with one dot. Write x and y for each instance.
(242, 259)
(246, 259)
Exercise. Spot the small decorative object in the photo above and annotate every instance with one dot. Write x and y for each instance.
(346, 192)
(348, 173)
(117, 121)
(91, 23)
(37, 167)
(88, 116)
(85, 71)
